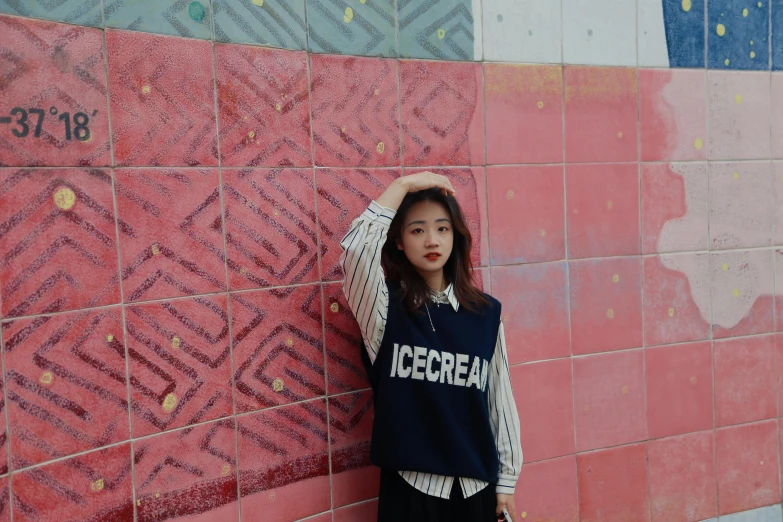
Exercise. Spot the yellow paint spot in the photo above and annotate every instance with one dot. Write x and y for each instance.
(510, 194)
(342, 130)
(726, 61)
(610, 313)
(259, 3)
(97, 485)
(225, 470)
(170, 402)
(721, 29)
(736, 175)
(699, 143)
(543, 232)
(441, 34)
(176, 342)
(686, 5)
(145, 89)
(251, 134)
(620, 134)
(278, 106)
(272, 497)
(725, 267)
(609, 205)
(380, 147)
(694, 380)
(625, 390)
(752, 54)
(737, 99)
(760, 4)
(244, 118)
(587, 408)
(745, 12)
(540, 105)
(334, 307)
(671, 312)
(736, 292)
(616, 278)
(276, 213)
(289, 342)
(110, 337)
(348, 15)
(157, 494)
(751, 42)
(46, 378)
(362, 2)
(243, 270)
(138, 502)
(277, 385)
(505, 318)
(377, 92)
(64, 198)
(155, 249)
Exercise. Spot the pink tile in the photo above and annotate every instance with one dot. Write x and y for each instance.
(747, 466)
(613, 485)
(547, 491)
(682, 477)
(674, 286)
(179, 363)
(535, 310)
(58, 241)
(777, 115)
(600, 114)
(190, 473)
(526, 218)
(779, 369)
(739, 115)
(277, 347)
(674, 207)
(286, 478)
(171, 232)
(603, 210)
(5, 499)
(355, 111)
(65, 384)
(343, 343)
(162, 97)
(524, 105)
(543, 394)
(741, 205)
(324, 517)
(673, 114)
(263, 106)
(745, 380)
(481, 278)
(609, 398)
(777, 196)
(271, 233)
(364, 512)
(679, 389)
(606, 305)
(778, 297)
(442, 113)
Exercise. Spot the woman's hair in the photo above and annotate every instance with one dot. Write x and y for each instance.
(457, 270)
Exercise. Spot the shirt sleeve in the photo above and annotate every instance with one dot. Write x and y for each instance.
(504, 419)
(364, 284)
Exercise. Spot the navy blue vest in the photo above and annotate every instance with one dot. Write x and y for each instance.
(430, 390)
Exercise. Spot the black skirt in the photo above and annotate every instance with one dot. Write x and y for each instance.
(398, 501)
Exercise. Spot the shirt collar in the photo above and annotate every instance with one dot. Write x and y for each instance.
(451, 296)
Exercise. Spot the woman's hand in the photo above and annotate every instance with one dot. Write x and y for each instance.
(506, 501)
(394, 193)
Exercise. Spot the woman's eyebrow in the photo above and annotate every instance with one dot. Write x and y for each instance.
(423, 222)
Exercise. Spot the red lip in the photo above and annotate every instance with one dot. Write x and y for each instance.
(433, 256)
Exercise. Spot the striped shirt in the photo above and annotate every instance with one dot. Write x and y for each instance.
(365, 289)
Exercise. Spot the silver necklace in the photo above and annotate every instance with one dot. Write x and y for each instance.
(428, 315)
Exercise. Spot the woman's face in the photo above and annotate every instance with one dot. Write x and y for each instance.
(427, 237)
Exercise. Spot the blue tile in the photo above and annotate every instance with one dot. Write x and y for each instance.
(439, 29)
(777, 36)
(737, 34)
(81, 12)
(263, 22)
(360, 27)
(190, 18)
(684, 33)
(765, 514)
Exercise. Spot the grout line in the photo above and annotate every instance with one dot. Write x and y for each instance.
(6, 428)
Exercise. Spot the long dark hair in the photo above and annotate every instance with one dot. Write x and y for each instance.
(458, 270)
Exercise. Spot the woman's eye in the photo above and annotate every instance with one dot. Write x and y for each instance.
(444, 229)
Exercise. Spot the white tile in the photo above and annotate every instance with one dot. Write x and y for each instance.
(653, 51)
(526, 31)
(765, 514)
(599, 32)
(478, 39)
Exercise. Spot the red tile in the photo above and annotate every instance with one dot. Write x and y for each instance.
(179, 363)
(535, 310)
(741, 205)
(613, 485)
(93, 486)
(58, 246)
(442, 113)
(600, 114)
(355, 111)
(747, 464)
(285, 478)
(603, 210)
(278, 347)
(263, 106)
(745, 380)
(547, 491)
(171, 232)
(682, 478)
(679, 389)
(271, 234)
(5, 497)
(543, 394)
(66, 388)
(324, 517)
(524, 105)
(526, 217)
(162, 97)
(481, 277)
(57, 69)
(343, 343)
(671, 312)
(609, 400)
(606, 307)
(779, 369)
(364, 512)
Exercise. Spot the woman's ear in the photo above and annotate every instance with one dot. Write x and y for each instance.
(399, 244)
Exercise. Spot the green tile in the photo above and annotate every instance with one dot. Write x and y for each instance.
(277, 23)
(361, 27)
(190, 18)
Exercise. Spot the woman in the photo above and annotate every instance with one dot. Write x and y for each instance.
(446, 430)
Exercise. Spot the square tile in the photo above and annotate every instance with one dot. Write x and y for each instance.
(671, 33)
(343, 344)
(747, 464)
(355, 111)
(600, 114)
(609, 398)
(777, 112)
(79, 12)
(675, 207)
(535, 310)
(613, 484)
(779, 368)
(277, 24)
(339, 27)
(547, 491)
(741, 205)
(529, 31)
(440, 29)
(263, 107)
(162, 97)
(599, 32)
(526, 215)
(54, 89)
(603, 209)
(676, 298)
(442, 113)
(738, 112)
(764, 514)
(737, 35)
(285, 478)
(173, 17)
(179, 363)
(5, 498)
(672, 114)
(197, 465)
(277, 347)
(777, 195)
(682, 477)
(271, 234)
(745, 380)
(58, 241)
(543, 394)
(356, 513)
(171, 232)
(679, 389)
(524, 106)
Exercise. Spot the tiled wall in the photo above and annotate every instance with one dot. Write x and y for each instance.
(175, 177)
